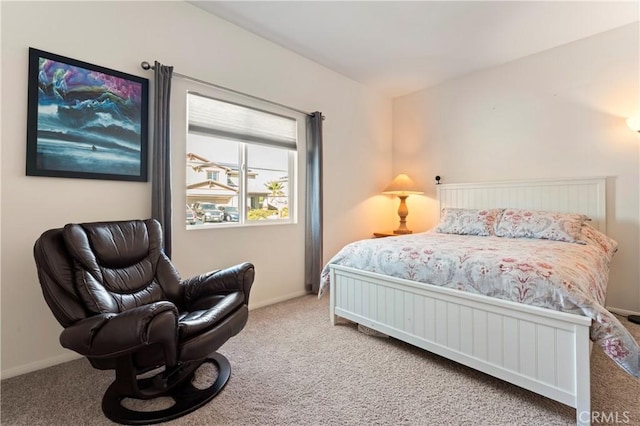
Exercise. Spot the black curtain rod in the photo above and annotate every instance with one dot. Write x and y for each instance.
(147, 66)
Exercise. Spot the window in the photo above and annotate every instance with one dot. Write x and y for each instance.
(241, 162)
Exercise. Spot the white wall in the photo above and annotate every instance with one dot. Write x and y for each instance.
(559, 113)
(120, 35)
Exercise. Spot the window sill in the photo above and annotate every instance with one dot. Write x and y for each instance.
(253, 224)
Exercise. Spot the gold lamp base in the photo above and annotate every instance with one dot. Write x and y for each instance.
(402, 231)
(403, 212)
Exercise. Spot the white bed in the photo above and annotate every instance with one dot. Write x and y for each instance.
(539, 349)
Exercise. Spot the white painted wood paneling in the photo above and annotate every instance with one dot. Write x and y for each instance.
(580, 195)
(537, 349)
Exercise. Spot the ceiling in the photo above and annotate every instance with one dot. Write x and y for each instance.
(398, 47)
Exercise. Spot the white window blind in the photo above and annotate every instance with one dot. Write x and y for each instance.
(228, 120)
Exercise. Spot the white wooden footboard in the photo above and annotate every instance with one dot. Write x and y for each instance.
(538, 349)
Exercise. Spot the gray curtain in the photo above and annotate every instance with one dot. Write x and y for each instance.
(313, 228)
(161, 165)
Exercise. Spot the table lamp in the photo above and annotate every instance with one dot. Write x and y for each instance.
(402, 186)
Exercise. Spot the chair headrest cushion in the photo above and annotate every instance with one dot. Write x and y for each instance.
(115, 264)
(114, 244)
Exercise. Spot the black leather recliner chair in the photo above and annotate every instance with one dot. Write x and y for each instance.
(123, 305)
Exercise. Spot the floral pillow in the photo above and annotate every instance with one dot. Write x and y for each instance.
(518, 223)
(468, 221)
(606, 243)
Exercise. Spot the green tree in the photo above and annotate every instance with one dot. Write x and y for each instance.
(275, 187)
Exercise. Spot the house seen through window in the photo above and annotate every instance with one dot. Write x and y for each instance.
(240, 164)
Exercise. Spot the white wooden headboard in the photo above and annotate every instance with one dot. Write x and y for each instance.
(577, 195)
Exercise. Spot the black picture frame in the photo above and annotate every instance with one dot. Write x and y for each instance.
(85, 121)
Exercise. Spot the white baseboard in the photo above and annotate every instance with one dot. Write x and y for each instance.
(277, 300)
(70, 356)
(38, 365)
(619, 311)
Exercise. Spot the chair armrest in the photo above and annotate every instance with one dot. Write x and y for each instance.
(236, 278)
(111, 335)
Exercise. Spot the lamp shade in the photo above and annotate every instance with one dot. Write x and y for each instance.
(402, 185)
(634, 123)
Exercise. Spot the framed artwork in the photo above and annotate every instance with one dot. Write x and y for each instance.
(85, 121)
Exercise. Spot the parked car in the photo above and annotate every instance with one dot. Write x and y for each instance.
(208, 212)
(191, 216)
(230, 213)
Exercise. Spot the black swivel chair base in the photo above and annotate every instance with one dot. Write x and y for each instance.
(186, 396)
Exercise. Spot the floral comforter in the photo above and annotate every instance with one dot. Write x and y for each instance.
(556, 275)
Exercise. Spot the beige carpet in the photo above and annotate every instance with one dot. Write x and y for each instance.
(291, 367)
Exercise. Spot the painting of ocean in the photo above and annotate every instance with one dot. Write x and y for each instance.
(85, 121)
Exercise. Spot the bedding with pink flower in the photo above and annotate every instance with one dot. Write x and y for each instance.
(518, 223)
(549, 274)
